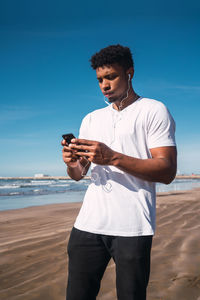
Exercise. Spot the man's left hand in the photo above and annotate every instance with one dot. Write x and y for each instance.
(95, 152)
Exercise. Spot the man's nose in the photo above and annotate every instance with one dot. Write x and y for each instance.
(105, 85)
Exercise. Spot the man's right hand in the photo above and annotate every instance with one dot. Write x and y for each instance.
(77, 166)
(69, 156)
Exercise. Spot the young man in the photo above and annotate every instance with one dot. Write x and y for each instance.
(130, 145)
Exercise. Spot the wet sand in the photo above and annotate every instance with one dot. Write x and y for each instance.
(33, 256)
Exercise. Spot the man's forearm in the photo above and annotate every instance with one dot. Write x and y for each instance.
(153, 169)
(79, 170)
(75, 171)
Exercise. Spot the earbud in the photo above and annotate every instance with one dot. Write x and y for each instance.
(129, 76)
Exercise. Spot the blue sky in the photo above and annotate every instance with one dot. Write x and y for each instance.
(47, 85)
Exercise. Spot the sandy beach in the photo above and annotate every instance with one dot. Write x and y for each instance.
(33, 255)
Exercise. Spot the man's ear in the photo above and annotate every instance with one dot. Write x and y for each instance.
(130, 72)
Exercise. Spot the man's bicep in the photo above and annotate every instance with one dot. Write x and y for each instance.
(168, 153)
(165, 161)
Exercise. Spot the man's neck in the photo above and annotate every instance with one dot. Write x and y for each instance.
(121, 104)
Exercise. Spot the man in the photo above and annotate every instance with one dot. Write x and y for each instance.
(130, 145)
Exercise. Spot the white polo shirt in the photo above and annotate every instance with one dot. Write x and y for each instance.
(117, 203)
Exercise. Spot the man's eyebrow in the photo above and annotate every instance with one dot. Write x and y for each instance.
(107, 75)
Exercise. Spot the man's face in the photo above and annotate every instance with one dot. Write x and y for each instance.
(113, 81)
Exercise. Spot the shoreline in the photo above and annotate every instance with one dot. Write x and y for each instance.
(20, 198)
(79, 203)
(86, 177)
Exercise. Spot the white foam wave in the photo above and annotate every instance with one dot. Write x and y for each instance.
(67, 184)
(15, 193)
(9, 186)
(41, 182)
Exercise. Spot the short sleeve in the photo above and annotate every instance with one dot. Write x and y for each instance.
(84, 132)
(161, 127)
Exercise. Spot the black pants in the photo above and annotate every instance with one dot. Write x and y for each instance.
(89, 255)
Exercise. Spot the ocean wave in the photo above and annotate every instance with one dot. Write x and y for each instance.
(9, 186)
(46, 187)
(14, 193)
(42, 182)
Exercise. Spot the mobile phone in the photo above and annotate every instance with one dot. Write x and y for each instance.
(68, 137)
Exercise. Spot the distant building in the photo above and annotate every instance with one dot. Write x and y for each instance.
(40, 175)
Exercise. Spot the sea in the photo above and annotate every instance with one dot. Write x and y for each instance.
(21, 193)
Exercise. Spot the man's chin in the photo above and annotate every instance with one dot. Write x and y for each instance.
(111, 99)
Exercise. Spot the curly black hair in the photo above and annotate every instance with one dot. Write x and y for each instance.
(113, 54)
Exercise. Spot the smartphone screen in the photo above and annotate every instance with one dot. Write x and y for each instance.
(68, 137)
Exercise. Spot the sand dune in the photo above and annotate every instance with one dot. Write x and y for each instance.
(33, 255)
